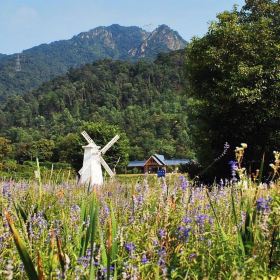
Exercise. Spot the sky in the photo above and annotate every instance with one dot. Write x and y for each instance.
(27, 23)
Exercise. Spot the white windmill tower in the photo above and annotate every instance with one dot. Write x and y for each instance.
(91, 172)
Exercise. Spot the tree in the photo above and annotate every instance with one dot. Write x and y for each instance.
(69, 149)
(42, 149)
(5, 148)
(143, 99)
(234, 81)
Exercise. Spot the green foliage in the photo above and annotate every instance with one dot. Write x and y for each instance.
(234, 80)
(5, 148)
(22, 250)
(142, 230)
(69, 149)
(144, 100)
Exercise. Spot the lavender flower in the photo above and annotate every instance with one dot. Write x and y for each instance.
(234, 168)
(187, 220)
(263, 204)
(162, 255)
(144, 259)
(6, 190)
(162, 233)
(84, 261)
(192, 256)
(130, 247)
(75, 213)
(200, 219)
(37, 225)
(184, 183)
(138, 200)
(184, 232)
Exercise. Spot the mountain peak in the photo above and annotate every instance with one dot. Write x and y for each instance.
(163, 27)
(162, 39)
(46, 61)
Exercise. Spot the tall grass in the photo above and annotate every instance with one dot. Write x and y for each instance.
(146, 229)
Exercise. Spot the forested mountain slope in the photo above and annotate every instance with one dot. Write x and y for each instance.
(46, 61)
(146, 100)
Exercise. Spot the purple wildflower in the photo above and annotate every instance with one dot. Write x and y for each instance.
(161, 233)
(104, 270)
(144, 259)
(162, 255)
(138, 200)
(234, 166)
(37, 225)
(107, 210)
(192, 256)
(200, 219)
(187, 220)
(184, 183)
(184, 232)
(263, 204)
(6, 190)
(75, 213)
(84, 261)
(130, 247)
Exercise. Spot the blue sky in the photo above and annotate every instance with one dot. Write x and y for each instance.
(27, 23)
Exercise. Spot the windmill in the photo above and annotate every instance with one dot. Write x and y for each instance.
(91, 172)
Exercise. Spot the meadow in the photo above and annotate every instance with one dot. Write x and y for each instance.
(142, 228)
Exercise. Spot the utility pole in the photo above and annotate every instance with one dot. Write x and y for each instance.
(18, 65)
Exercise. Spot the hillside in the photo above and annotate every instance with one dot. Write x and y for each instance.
(144, 99)
(46, 61)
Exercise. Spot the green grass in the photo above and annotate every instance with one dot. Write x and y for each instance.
(138, 227)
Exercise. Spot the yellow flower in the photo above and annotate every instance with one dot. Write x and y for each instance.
(244, 145)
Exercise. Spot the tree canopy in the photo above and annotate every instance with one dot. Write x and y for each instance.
(234, 79)
(144, 100)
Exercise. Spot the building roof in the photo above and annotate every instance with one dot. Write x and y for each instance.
(161, 161)
(159, 157)
(169, 162)
(156, 159)
(136, 163)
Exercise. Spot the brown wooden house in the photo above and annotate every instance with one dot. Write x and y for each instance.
(156, 162)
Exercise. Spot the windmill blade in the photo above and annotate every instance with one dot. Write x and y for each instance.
(87, 137)
(106, 167)
(110, 144)
(83, 169)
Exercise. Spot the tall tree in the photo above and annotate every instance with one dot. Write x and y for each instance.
(5, 148)
(235, 82)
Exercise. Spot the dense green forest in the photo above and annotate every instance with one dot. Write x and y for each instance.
(234, 77)
(224, 87)
(145, 100)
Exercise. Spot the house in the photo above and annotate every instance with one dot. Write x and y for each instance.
(157, 162)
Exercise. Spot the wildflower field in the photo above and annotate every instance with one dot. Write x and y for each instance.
(145, 228)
